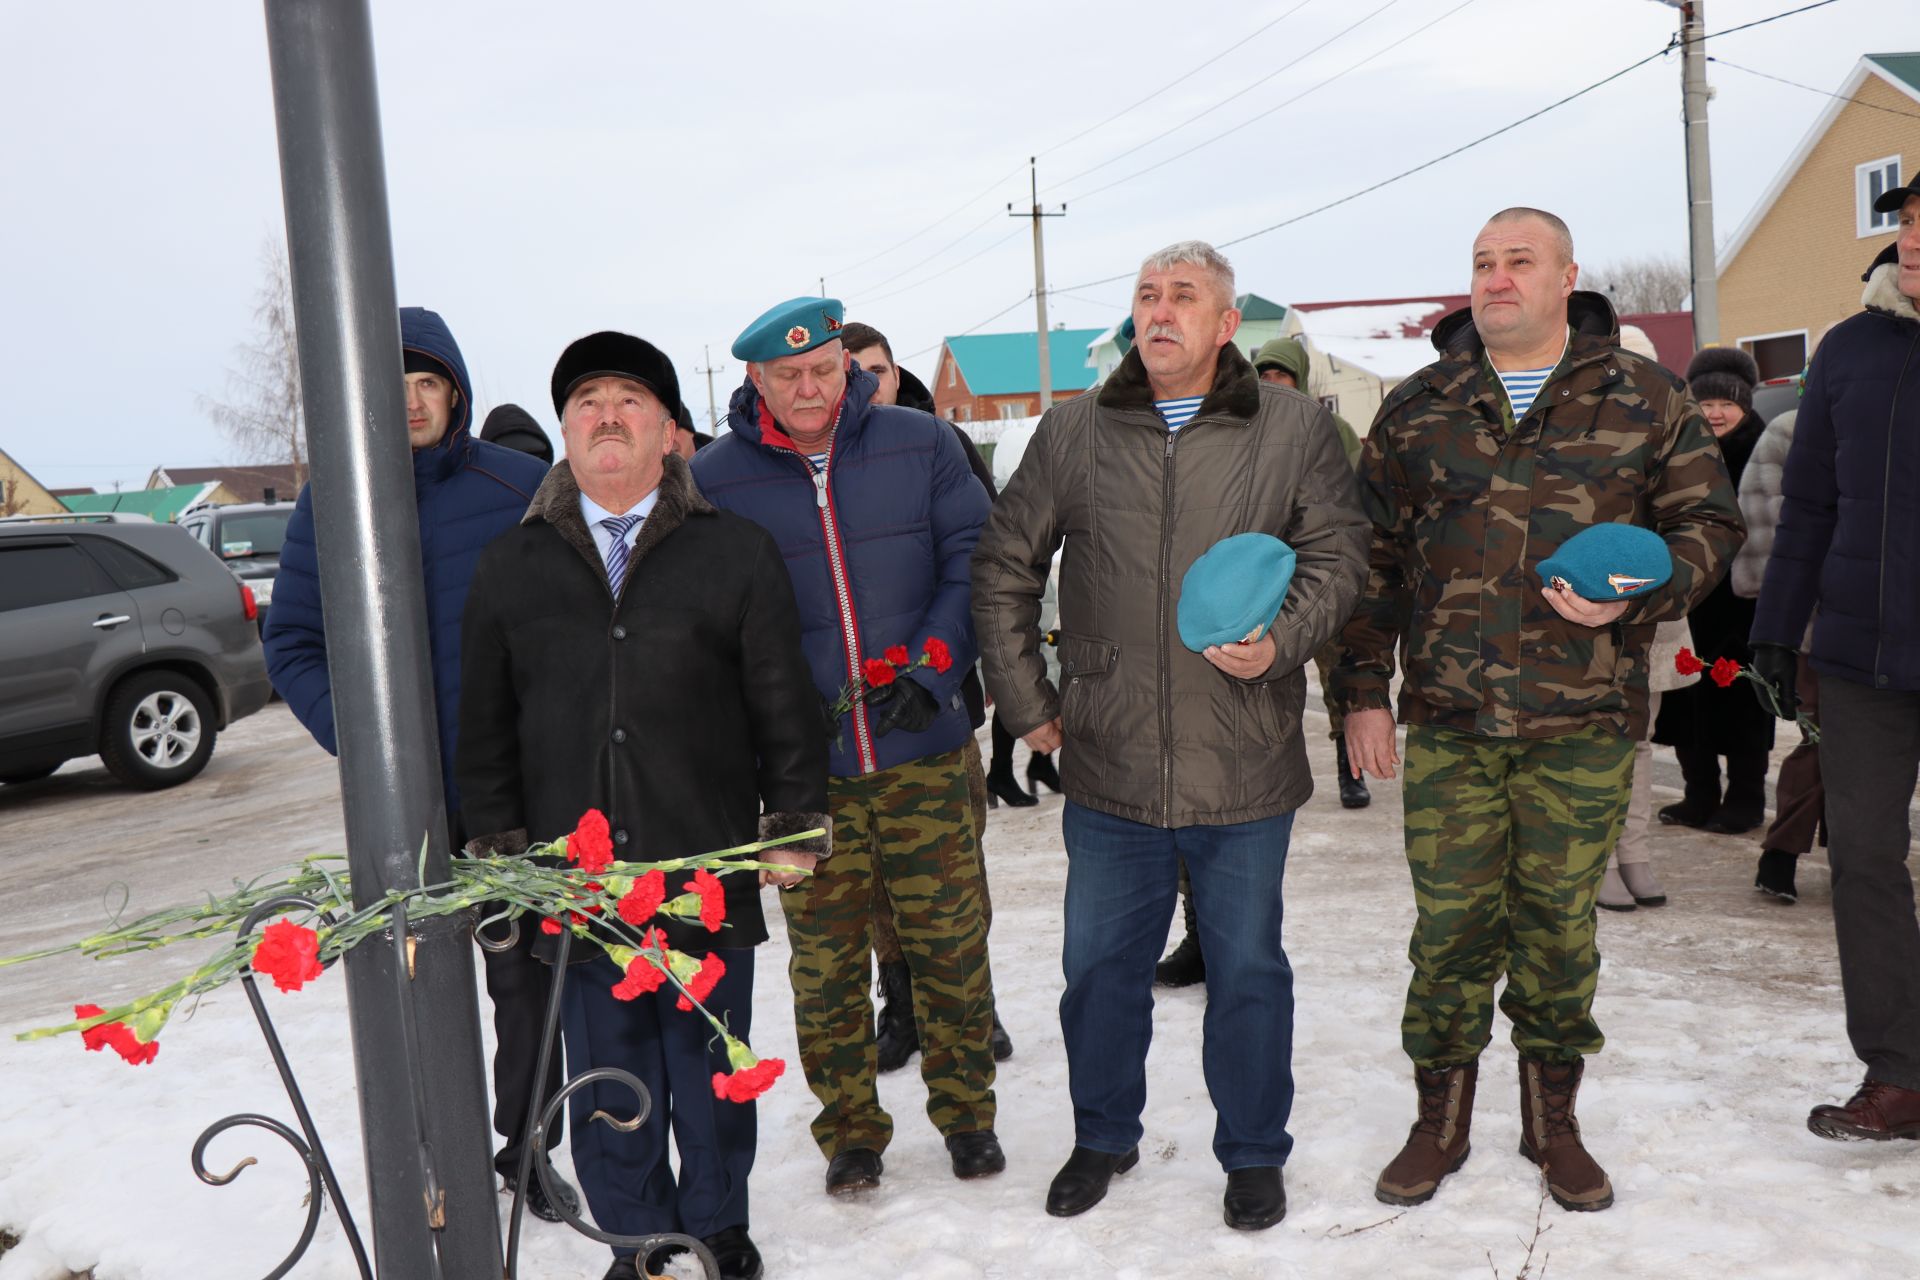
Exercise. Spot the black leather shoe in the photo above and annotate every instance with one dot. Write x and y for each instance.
(976, 1154)
(1353, 791)
(855, 1169)
(1041, 773)
(537, 1203)
(1082, 1180)
(734, 1250)
(1256, 1198)
(625, 1268)
(1001, 786)
(897, 1039)
(1002, 1042)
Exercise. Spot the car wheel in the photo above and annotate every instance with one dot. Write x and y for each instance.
(30, 775)
(158, 731)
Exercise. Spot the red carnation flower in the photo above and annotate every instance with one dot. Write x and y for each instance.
(701, 985)
(641, 901)
(713, 898)
(288, 953)
(115, 1035)
(877, 672)
(939, 657)
(549, 925)
(590, 845)
(1725, 671)
(897, 655)
(748, 1083)
(643, 977)
(1687, 664)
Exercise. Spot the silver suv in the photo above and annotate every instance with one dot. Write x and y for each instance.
(247, 537)
(124, 638)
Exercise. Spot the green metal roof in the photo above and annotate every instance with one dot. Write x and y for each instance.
(155, 504)
(1007, 364)
(1904, 67)
(1254, 307)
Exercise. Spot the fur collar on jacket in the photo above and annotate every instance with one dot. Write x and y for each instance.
(558, 504)
(1883, 293)
(1235, 394)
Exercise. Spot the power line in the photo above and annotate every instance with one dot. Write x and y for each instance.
(1027, 297)
(1240, 43)
(1224, 101)
(1892, 111)
(947, 270)
(964, 236)
(963, 206)
(1468, 146)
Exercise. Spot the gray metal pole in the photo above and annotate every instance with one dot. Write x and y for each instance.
(1040, 292)
(422, 1087)
(1694, 94)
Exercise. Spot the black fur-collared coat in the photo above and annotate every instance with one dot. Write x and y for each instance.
(684, 709)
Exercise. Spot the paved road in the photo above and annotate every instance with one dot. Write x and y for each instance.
(75, 841)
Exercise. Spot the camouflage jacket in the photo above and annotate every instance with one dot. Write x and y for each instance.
(1466, 503)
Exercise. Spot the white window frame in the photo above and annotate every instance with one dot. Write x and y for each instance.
(1330, 403)
(963, 413)
(1013, 408)
(1746, 343)
(1866, 221)
(953, 372)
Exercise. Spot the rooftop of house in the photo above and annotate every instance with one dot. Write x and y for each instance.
(1004, 364)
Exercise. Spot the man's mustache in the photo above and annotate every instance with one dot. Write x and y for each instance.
(610, 431)
(1165, 331)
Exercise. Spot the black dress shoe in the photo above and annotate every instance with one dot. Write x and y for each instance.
(537, 1202)
(1082, 1180)
(855, 1169)
(1353, 791)
(734, 1250)
(1002, 1042)
(1001, 786)
(1687, 813)
(625, 1268)
(976, 1154)
(896, 1039)
(1256, 1198)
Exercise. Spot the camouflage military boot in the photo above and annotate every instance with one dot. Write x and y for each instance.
(1550, 1135)
(1437, 1143)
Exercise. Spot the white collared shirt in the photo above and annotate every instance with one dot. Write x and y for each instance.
(593, 513)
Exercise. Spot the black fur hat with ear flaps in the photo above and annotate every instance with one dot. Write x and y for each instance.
(1723, 373)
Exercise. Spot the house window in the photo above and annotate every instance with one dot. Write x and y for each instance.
(1779, 355)
(1870, 182)
(953, 373)
(1013, 408)
(963, 412)
(1330, 403)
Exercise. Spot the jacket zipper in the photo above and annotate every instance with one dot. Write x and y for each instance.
(843, 595)
(1886, 496)
(1166, 691)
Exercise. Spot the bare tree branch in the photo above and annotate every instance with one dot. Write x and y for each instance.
(260, 415)
(1638, 285)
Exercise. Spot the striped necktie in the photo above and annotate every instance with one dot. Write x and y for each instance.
(618, 526)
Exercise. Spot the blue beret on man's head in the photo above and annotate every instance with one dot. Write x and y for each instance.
(1234, 591)
(1610, 562)
(793, 326)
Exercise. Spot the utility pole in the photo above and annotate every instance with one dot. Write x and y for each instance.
(415, 1020)
(1694, 94)
(713, 414)
(823, 286)
(1040, 282)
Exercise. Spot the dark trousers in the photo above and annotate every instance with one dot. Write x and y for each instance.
(1799, 800)
(518, 985)
(627, 1180)
(1122, 880)
(1870, 757)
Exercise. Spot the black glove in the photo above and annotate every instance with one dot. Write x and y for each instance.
(904, 704)
(829, 722)
(1778, 666)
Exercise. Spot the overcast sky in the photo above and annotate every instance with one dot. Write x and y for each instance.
(673, 170)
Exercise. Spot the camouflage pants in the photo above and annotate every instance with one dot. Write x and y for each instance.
(1507, 839)
(909, 826)
(886, 943)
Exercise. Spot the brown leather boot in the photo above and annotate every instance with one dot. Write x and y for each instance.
(1550, 1135)
(1877, 1111)
(1437, 1143)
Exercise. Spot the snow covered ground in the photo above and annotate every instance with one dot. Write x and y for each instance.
(1722, 1012)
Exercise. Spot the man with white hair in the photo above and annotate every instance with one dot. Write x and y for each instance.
(1171, 754)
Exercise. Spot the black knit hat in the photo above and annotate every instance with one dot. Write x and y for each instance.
(515, 428)
(614, 355)
(1723, 373)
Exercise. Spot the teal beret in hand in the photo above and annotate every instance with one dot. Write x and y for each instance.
(1607, 562)
(1234, 591)
(793, 326)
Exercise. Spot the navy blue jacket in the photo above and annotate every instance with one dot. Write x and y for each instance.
(468, 493)
(1849, 536)
(906, 511)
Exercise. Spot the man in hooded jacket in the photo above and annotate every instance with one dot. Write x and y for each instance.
(468, 492)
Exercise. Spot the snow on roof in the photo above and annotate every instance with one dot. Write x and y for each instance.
(1389, 339)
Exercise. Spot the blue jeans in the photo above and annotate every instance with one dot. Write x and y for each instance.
(1122, 884)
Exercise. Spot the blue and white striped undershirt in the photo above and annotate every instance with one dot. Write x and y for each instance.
(1178, 413)
(1523, 385)
(819, 460)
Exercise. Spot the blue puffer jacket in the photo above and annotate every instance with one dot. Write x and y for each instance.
(904, 511)
(1849, 535)
(468, 492)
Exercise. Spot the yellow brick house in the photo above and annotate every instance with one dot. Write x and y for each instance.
(1793, 268)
